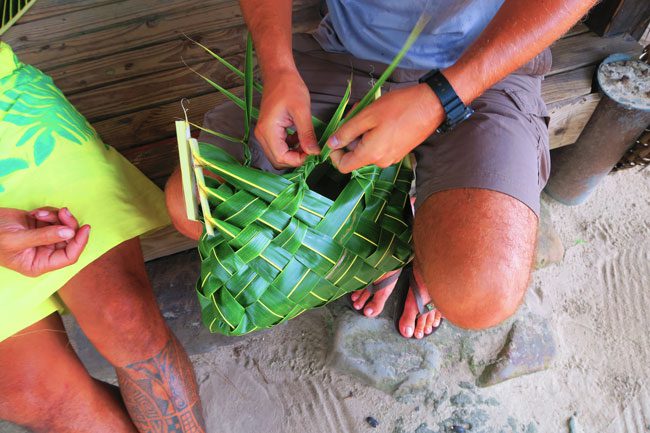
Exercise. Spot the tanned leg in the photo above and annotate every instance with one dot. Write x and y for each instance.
(114, 304)
(475, 252)
(45, 388)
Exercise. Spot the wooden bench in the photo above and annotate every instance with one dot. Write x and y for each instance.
(123, 63)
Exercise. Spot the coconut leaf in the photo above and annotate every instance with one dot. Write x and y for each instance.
(11, 12)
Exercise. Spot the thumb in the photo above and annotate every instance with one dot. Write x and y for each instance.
(306, 134)
(350, 131)
(24, 239)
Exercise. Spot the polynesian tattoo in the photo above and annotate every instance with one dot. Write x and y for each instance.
(161, 394)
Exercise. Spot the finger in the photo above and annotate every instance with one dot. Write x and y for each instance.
(66, 217)
(306, 134)
(345, 162)
(24, 239)
(68, 256)
(350, 131)
(47, 215)
(277, 150)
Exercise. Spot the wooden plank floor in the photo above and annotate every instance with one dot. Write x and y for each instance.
(124, 64)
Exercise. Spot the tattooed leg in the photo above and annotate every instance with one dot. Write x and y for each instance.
(114, 305)
(160, 392)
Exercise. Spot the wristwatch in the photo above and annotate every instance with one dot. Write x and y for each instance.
(456, 111)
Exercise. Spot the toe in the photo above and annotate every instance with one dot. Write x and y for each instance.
(376, 305)
(437, 320)
(362, 299)
(428, 327)
(355, 295)
(407, 321)
(420, 324)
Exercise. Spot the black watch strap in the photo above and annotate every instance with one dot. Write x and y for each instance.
(456, 111)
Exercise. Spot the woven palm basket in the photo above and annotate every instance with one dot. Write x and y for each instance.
(275, 246)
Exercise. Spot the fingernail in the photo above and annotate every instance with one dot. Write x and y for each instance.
(334, 142)
(369, 311)
(66, 233)
(409, 331)
(42, 213)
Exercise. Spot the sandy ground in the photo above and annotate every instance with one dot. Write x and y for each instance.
(598, 300)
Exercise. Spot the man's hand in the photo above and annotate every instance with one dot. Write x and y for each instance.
(388, 129)
(286, 104)
(36, 242)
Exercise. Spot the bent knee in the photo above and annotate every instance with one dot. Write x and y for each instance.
(175, 202)
(475, 251)
(485, 302)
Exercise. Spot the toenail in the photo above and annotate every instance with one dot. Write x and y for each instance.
(357, 306)
(418, 334)
(409, 331)
(369, 311)
(428, 330)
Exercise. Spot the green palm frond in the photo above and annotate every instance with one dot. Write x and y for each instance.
(278, 245)
(12, 10)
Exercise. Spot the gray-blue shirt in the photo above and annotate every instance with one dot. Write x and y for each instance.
(377, 29)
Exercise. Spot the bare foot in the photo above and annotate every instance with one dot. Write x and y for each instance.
(411, 324)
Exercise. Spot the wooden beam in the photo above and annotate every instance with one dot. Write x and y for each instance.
(568, 85)
(613, 17)
(164, 242)
(94, 33)
(154, 90)
(588, 49)
(568, 119)
(161, 57)
(156, 123)
(49, 8)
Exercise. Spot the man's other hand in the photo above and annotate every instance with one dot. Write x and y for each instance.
(388, 129)
(36, 242)
(286, 104)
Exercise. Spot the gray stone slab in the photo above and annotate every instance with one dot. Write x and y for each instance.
(530, 347)
(371, 350)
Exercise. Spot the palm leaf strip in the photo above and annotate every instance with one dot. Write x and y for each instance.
(11, 12)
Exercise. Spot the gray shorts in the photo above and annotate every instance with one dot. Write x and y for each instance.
(502, 147)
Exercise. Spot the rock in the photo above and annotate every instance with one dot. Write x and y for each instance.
(371, 350)
(372, 422)
(530, 347)
(549, 245)
(173, 279)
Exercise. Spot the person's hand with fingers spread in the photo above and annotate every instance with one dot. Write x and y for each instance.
(388, 129)
(43, 240)
(286, 104)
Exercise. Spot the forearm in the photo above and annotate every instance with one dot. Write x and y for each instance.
(520, 30)
(269, 21)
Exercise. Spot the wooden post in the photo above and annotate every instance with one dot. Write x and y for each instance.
(616, 123)
(614, 17)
